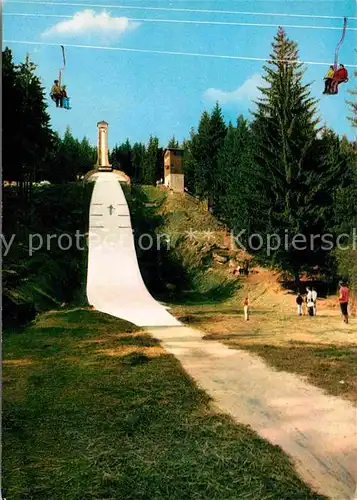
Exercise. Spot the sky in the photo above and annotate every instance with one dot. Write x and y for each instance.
(141, 93)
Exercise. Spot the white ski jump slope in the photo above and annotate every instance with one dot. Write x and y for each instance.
(114, 283)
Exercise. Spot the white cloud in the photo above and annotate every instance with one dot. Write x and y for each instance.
(88, 22)
(248, 91)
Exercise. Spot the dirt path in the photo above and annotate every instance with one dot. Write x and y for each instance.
(316, 430)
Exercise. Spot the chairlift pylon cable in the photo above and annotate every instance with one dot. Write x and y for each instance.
(173, 53)
(340, 43)
(193, 21)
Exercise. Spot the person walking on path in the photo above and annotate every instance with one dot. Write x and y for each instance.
(299, 301)
(343, 300)
(246, 308)
(314, 299)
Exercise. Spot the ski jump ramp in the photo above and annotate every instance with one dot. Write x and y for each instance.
(114, 283)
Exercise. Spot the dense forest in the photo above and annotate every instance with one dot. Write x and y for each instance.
(276, 176)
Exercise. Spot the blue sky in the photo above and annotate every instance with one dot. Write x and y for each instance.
(140, 94)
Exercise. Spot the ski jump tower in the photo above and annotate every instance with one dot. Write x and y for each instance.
(103, 164)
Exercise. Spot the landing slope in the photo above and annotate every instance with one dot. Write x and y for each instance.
(114, 283)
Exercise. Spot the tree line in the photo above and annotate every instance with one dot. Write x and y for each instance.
(278, 173)
(280, 176)
(33, 152)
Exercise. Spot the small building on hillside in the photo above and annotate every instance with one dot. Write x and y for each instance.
(173, 169)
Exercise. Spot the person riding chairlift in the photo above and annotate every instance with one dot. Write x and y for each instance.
(65, 98)
(328, 80)
(56, 94)
(340, 76)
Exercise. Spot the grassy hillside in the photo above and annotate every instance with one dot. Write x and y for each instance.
(191, 252)
(322, 349)
(45, 265)
(95, 409)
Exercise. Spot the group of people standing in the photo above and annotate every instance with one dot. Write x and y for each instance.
(59, 95)
(334, 78)
(311, 301)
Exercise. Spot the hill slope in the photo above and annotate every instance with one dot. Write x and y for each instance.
(192, 253)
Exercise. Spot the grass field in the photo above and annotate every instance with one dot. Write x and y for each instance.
(94, 408)
(322, 349)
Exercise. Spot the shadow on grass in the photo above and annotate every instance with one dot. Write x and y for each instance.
(133, 428)
(158, 264)
(216, 294)
(323, 287)
(134, 359)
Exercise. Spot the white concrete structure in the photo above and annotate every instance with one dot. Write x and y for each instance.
(114, 282)
(121, 176)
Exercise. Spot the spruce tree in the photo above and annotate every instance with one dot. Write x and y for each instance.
(200, 154)
(205, 147)
(11, 101)
(218, 131)
(189, 166)
(290, 159)
(138, 157)
(121, 158)
(173, 143)
(88, 156)
(27, 136)
(238, 196)
(35, 134)
(151, 161)
(353, 104)
(71, 158)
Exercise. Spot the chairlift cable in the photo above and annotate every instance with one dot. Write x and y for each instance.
(175, 9)
(191, 21)
(173, 53)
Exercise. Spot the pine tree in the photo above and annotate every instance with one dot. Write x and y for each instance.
(173, 143)
(11, 101)
(27, 144)
(151, 161)
(345, 215)
(72, 158)
(218, 131)
(238, 196)
(200, 154)
(121, 158)
(204, 147)
(189, 165)
(88, 156)
(33, 122)
(138, 158)
(345, 207)
(353, 104)
(290, 163)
